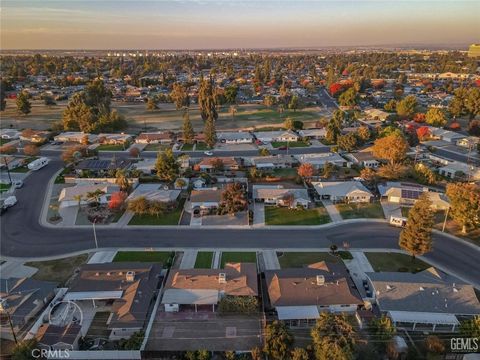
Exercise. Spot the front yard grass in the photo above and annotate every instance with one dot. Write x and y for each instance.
(395, 262)
(111, 147)
(169, 218)
(187, 147)
(301, 259)
(164, 257)
(285, 216)
(201, 146)
(290, 144)
(361, 210)
(4, 187)
(156, 147)
(57, 270)
(287, 173)
(234, 257)
(204, 260)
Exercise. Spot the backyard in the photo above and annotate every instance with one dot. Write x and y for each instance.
(233, 257)
(163, 257)
(204, 260)
(395, 262)
(361, 210)
(285, 216)
(301, 259)
(59, 270)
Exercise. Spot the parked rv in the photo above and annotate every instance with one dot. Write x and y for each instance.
(38, 164)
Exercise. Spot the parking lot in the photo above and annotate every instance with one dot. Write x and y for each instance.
(193, 331)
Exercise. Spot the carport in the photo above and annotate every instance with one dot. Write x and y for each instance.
(432, 319)
(193, 297)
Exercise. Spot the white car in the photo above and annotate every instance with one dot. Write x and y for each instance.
(208, 153)
(17, 184)
(9, 202)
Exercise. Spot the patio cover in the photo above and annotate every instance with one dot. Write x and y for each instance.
(423, 318)
(190, 297)
(297, 312)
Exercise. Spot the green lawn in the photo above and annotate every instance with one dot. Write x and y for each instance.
(4, 187)
(187, 147)
(204, 260)
(20, 169)
(234, 257)
(202, 146)
(164, 257)
(284, 216)
(361, 210)
(301, 259)
(395, 262)
(291, 144)
(285, 173)
(111, 147)
(170, 218)
(156, 147)
(57, 270)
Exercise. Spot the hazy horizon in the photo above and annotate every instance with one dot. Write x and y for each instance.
(185, 25)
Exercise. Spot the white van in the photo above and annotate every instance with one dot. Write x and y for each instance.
(398, 221)
(38, 164)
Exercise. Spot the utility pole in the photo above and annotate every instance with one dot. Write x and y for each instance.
(445, 221)
(11, 326)
(8, 170)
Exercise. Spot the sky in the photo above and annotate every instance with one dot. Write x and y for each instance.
(231, 24)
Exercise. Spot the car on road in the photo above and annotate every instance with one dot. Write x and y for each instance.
(38, 163)
(208, 153)
(17, 184)
(6, 203)
(282, 148)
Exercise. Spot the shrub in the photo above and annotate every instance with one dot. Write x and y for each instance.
(238, 304)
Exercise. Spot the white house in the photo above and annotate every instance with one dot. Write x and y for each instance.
(319, 160)
(239, 137)
(208, 198)
(469, 142)
(70, 196)
(75, 136)
(271, 162)
(313, 133)
(408, 194)
(343, 191)
(363, 158)
(272, 136)
(445, 135)
(455, 169)
(154, 192)
(278, 195)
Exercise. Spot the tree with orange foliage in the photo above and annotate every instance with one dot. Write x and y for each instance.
(306, 170)
(134, 152)
(393, 148)
(8, 149)
(423, 133)
(31, 150)
(419, 118)
(335, 89)
(117, 200)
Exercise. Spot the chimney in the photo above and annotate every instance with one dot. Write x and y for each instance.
(222, 278)
(320, 280)
(130, 277)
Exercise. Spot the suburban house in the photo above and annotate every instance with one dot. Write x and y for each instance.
(155, 192)
(456, 169)
(239, 137)
(376, 114)
(469, 142)
(445, 135)
(203, 289)
(36, 136)
(154, 138)
(319, 160)
(364, 159)
(343, 191)
(75, 136)
(205, 199)
(23, 299)
(100, 167)
(278, 195)
(209, 164)
(146, 166)
(313, 133)
(272, 162)
(54, 337)
(300, 295)
(114, 139)
(72, 196)
(429, 300)
(126, 289)
(273, 136)
(408, 194)
(9, 134)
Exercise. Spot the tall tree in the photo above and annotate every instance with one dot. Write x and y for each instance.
(179, 95)
(98, 97)
(187, 128)
(206, 100)
(23, 104)
(152, 104)
(3, 101)
(392, 148)
(210, 132)
(77, 115)
(407, 106)
(277, 340)
(465, 204)
(348, 98)
(294, 103)
(167, 166)
(333, 337)
(435, 117)
(382, 331)
(231, 94)
(347, 142)
(233, 199)
(416, 237)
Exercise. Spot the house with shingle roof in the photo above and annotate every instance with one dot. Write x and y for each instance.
(427, 300)
(280, 196)
(54, 337)
(204, 288)
(300, 295)
(343, 191)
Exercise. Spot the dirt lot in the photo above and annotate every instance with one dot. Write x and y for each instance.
(194, 331)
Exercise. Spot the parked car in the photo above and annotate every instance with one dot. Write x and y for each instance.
(38, 164)
(17, 184)
(8, 202)
(208, 153)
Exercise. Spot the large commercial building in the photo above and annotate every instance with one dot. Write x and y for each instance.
(474, 50)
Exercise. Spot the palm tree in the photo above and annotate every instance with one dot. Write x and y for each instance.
(122, 180)
(94, 196)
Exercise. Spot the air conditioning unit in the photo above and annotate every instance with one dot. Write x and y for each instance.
(320, 280)
(222, 278)
(130, 277)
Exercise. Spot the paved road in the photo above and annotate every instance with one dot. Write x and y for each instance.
(23, 236)
(327, 100)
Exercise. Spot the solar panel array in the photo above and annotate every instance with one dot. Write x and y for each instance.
(411, 194)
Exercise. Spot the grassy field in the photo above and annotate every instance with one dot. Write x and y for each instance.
(356, 211)
(285, 216)
(301, 259)
(111, 147)
(233, 257)
(57, 270)
(204, 260)
(170, 218)
(395, 262)
(163, 257)
(166, 117)
(291, 144)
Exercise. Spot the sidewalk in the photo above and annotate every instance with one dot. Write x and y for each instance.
(101, 257)
(124, 219)
(16, 269)
(332, 211)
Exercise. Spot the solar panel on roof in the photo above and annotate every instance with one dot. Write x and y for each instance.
(411, 194)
